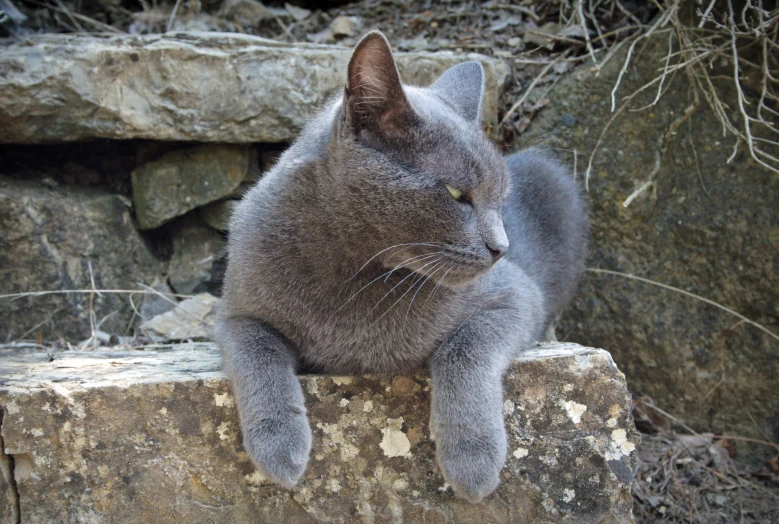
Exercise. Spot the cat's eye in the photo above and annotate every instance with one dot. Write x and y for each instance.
(456, 193)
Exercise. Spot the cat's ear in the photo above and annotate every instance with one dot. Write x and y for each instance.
(463, 87)
(374, 98)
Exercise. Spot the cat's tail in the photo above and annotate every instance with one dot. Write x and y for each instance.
(546, 219)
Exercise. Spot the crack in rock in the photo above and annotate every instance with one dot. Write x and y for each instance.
(7, 471)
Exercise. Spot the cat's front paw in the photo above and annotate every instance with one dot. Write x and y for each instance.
(279, 447)
(471, 463)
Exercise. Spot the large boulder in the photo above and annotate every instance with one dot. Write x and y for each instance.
(706, 226)
(208, 87)
(153, 436)
(49, 237)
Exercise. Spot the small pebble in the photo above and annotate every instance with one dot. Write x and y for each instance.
(568, 120)
(345, 26)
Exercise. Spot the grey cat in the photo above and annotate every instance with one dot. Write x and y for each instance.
(392, 236)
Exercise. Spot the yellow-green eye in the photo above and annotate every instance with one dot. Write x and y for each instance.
(456, 193)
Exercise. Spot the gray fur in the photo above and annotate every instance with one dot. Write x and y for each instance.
(462, 86)
(351, 256)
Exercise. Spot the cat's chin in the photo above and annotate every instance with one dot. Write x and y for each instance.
(460, 278)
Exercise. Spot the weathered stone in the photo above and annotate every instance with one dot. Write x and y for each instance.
(298, 13)
(154, 436)
(181, 180)
(514, 41)
(48, 239)
(154, 304)
(342, 26)
(217, 214)
(190, 319)
(708, 226)
(9, 502)
(249, 12)
(195, 248)
(214, 87)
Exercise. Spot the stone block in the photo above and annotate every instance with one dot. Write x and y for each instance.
(181, 180)
(195, 248)
(207, 87)
(153, 436)
(49, 237)
(217, 214)
(190, 319)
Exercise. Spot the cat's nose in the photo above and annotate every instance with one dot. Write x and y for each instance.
(494, 235)
(496, 253)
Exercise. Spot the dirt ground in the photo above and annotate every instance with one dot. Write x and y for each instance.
(682, 476)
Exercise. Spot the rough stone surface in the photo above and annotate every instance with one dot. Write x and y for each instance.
(48, 238)
(195, 248)
(208, 87)
(156, 304)
(715, 234)
(249, 12)
(9, 502)
(217, 214)
(190, 319)
(154, 436)
(182, 180)
(342, 26)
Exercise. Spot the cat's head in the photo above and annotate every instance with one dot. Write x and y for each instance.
(415, 170)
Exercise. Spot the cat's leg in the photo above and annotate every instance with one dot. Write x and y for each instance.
(467, 405)
(261, 366)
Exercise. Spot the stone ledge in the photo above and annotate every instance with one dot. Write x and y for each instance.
(207, 87)
(153, 436)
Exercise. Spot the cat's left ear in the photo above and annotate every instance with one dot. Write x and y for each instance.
(463, 87)
(374, 99)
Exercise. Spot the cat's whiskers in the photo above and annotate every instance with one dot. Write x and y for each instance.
(391, 247)
(435, 269)
(396, 285)
(401, 296)
(385, 274)
(438, 284)
(361, 290)
(418, 258)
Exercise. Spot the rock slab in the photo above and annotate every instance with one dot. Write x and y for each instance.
(206, 87)
(49, 238)
(153, 436)
(189, 319)
(182, 180)
(195, 248)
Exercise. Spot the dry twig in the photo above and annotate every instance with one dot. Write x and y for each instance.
(686, 293)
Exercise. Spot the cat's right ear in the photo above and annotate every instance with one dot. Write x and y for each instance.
(463, 87)
(374, 99)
